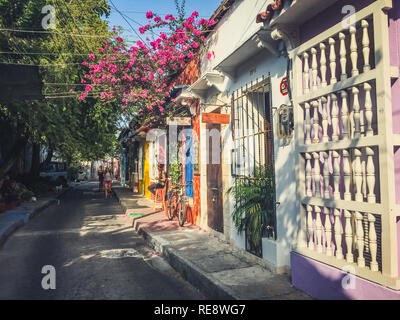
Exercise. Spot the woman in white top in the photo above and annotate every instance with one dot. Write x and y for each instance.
(108, 178)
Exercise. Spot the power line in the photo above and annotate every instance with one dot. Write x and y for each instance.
(39, 65)
(54, 32)
(126, 21)
(54, 54)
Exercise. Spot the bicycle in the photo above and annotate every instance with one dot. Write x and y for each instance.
(177, 203)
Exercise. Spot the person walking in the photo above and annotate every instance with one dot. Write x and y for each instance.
(108, 178)
(100, 174)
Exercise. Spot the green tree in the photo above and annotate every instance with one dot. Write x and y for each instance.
(74, 129)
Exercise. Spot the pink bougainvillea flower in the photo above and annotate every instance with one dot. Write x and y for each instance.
(147, 65)
(209, 55)
(85, 63)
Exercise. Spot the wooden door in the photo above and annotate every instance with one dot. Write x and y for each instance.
(214, 178)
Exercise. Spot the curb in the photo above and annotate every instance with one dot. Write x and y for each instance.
(10, 229)
(19, 222)
(48, 203)
(206, 283)
(126, 209)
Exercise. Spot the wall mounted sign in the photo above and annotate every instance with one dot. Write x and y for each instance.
(215, 118)
(180, 121)
(283, 87)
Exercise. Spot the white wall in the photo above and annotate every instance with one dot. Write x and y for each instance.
(237, 25)
(234, 29)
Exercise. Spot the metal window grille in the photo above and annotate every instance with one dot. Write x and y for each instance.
(252, 133)
(252, 128)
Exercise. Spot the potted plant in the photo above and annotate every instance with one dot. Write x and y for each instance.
(254, 208)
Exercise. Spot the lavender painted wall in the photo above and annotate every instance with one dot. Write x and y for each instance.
(329, 18)
(394, 34)
(325, 282)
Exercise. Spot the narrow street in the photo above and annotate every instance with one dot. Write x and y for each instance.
(96, 255)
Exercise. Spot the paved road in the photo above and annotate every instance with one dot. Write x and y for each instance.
(95, 255)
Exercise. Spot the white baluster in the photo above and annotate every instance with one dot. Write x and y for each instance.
(308, 175)
(310, 228)
(324, 83)
(338, 234)
(336, 174)
(349, 237)
(360, 239)
(332, 60)
(306, 73)
(317, 175)
(364, 177)
(347, 175)
(345, 115)
(325, 137)
(314, 67)
(342, 53)
(326, 175)
(318, 228)
(335, 118)
(356, 112)
(315, 105)
(366, 232)
(365, 45)
(368, 110)
(358, 175)
(372, 242)
(302, 242)
(353, 51)
(308, 123)
(328, 231)
(370, 175)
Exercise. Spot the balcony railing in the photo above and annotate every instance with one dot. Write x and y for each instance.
(342, 108)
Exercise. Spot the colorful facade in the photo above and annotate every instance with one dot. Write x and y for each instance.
(312, 88)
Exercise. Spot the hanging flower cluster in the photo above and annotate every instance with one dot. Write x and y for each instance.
(140, 75)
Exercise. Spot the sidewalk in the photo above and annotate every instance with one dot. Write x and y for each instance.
(215, 267)
(11, 220)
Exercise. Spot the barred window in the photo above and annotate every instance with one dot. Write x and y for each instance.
(252, 128)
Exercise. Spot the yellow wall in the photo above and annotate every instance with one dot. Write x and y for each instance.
(146, 171)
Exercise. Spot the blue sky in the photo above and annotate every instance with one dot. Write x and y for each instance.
(135, 12)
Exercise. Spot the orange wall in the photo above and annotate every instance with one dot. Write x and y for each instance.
(187, 77)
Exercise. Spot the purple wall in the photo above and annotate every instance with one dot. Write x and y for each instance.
(329, 18)
(325, 282)
(394, 34)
